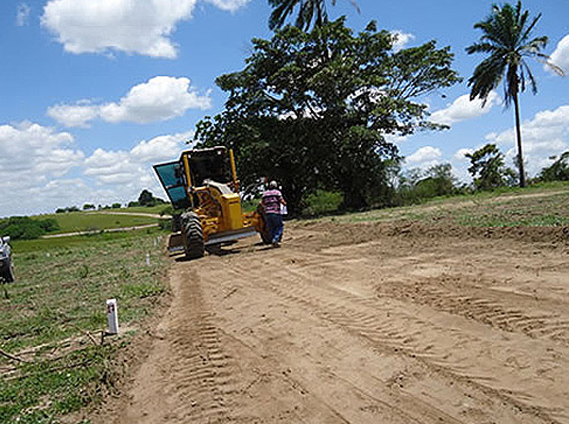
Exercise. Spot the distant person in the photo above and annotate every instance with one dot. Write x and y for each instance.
(273, 204)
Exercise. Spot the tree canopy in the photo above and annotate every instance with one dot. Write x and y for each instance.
(314, 110)
(146, 198)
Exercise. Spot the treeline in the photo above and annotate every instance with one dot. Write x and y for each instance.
(25, 228)
(146, 199)
(487, 168)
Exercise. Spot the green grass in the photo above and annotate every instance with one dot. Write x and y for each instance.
(322, 202)
(540, 205)
(521, 211)
(58, 298)
(145, 209)
(96, 221)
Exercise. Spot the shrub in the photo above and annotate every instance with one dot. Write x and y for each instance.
(322, 202)
(25, 228)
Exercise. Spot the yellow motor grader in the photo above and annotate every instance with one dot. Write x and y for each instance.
(203, 183)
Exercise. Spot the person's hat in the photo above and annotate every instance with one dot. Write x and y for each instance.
(273, 184)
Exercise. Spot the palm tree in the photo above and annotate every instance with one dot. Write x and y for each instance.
(309, 10)
(507, 39)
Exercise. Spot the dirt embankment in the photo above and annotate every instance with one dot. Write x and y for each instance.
(364, 324)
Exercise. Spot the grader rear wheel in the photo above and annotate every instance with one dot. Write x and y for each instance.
(194, 242)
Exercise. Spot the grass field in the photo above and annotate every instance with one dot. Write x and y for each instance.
(146, 209)
(546, 205)
(96, 221)
(51, 319)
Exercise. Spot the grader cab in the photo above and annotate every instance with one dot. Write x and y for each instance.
(203, 183)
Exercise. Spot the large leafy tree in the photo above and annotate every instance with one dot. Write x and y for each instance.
(508, 41)
(313, 110)
(309, 11)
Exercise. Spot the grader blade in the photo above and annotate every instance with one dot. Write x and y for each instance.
(176, 243)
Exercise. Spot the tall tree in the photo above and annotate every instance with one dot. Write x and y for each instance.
(507, 39)
(312, 110)
(309, 11)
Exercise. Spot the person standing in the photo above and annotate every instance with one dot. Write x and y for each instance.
(272, 201)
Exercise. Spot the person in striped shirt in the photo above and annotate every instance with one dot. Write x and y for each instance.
(273, 201)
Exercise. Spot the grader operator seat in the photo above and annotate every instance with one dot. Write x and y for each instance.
(203, 182)
(209, 164)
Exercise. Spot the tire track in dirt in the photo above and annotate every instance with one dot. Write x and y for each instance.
(391, 339)
(483, 305)
(369, 326)
(397, 329)
(377, 401)
(188, 376)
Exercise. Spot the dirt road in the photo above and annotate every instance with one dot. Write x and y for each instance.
(365, 324)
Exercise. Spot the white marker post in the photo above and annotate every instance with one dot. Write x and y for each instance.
(112, 317)
(147, 258)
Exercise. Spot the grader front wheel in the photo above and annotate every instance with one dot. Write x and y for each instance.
(194, 242)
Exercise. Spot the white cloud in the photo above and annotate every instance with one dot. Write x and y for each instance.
(460, 164)
(41, 170)
(463, 109)
(229, 5)
(560, 55)
(396, 139)
(543, 136)
(159, 99)
(22, 14)
(460, 154)
(33, 155)
(142, 27)
(161, 148)
(401, 39)
(424, 157)
(77, 115)
(98, 26)
(127, 172)
(35, 149)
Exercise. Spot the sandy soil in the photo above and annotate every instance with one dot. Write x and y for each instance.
(371, 323)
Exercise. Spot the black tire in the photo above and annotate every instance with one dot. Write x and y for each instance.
(193, 232)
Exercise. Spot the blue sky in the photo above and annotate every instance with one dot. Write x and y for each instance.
(95, 91)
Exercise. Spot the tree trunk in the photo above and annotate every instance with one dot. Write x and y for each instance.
(354, 199)
(519, 140)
